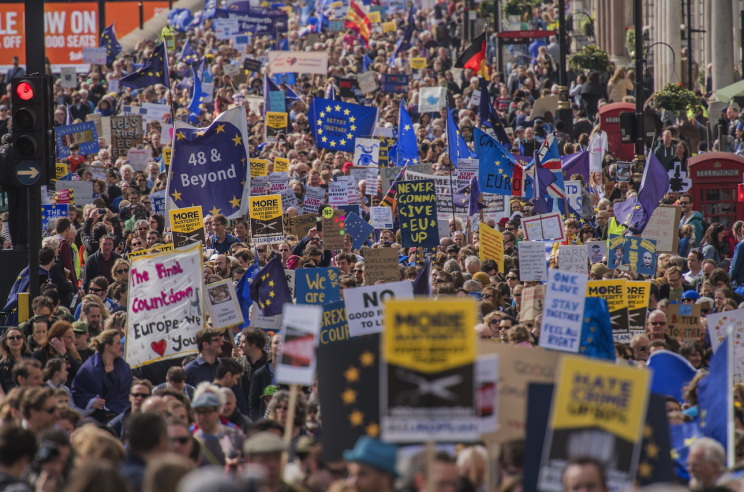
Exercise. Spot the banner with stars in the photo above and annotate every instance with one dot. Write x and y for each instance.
(336, 125)
(209, 166)
(349, 375)
(53, 212)
(596, 406)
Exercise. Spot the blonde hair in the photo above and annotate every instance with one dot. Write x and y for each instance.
(92, 444)
(686, 230)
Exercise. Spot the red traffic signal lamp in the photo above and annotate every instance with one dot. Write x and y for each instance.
(25, 91)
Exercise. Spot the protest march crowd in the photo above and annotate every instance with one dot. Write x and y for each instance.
(237, 201)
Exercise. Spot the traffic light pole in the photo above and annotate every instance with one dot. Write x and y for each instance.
(35, 63)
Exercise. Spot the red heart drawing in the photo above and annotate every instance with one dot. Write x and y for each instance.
(159, 347)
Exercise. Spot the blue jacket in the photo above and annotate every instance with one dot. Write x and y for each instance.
(88, 384)
(737, 266)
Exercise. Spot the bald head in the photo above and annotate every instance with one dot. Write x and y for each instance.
(156, 405)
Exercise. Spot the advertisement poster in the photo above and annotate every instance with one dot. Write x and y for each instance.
(300, 327)
(638, 293)
(267, 226)
(598, 409)
(223, 305)
(259, 167)
(188, 226)
(164, 310)
(427, 378)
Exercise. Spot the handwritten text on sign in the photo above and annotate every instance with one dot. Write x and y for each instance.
(562, 313)
(164, 310)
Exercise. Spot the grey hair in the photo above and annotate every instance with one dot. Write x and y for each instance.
(704, 299)
(472, 285)
(207, 387)
(657, 311)
(470, 260)
(714, 452)
(452, 266)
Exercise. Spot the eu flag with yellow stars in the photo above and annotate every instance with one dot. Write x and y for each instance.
(456, 145)
(209, 166)
(336, 124)
(358, 229)
(108, 40)
(188, 56)
(197, 95)
(153, 71)
(497, 168)
(269, 288)
(408, 153)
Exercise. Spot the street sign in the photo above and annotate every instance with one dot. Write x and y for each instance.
(28, 173)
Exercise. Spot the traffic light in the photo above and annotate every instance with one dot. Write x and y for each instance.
(31, 122)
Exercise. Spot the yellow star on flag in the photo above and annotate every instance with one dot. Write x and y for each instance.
(373, 430)
(320, 122)
(351, 374)
(235, 201)
(237, 140)
(338, 108)
(349, 396)
(320, 131)
(353, 127)
(329, 109)
(220, 128)
(201, 133)
(333, 143)
(407, 127)
(271, 293)
(652, 450)
(350, 136)
(343, 142)
(356, 418)
(243, 160)
(346, 112)
(179, 136)
(268, 302)
(214, 210)
(352, 119)
(242, 183)
(322, 115)
(176, 195)
(367, 358)
(324, 139)
(271, 283)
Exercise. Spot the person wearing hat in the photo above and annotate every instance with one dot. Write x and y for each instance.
(371, 465)
(502, 223)
(598, 271)
(219, 443)
(690, 297)
(265, 449)
(80, 339)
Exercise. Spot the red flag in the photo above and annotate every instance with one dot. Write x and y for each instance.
(358, 21)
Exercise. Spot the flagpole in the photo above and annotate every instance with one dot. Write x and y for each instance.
(537, 192)
(730, 426)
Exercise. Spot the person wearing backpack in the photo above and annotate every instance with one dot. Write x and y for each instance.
(695, 219)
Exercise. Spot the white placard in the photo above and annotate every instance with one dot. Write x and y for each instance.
(259, 185)
(564, 311)
(366, 152)
(278, 182)
(313, 199)
(300, 330)
(82, 191)
(364, 305)
(371, 179)
(487, 392)
(596, 250)
(225, 28)
(315, 62)
(532, 263)
(573, 258)
(113, 85)
(138, 158)
(573, 193)
(367, 82)
(432, 99)
(166, 134)
(230, 69)
(290, 276)
(542, 227)
(223, 305)
(96, 56)
(163, 308)
(208, 89)
(289, 199)
(338, 194)
(68, 76)
(381, 217)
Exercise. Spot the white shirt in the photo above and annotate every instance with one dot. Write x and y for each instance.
(690, 277)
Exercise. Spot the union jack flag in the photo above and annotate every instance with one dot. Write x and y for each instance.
(549, 158)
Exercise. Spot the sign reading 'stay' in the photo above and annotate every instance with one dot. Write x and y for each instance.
(164, 310)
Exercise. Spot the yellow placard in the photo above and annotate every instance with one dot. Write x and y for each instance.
(259, 167)
(613, 291)
(491, 245)
(187, 219)
(60, 170)
(374, 17)
(170, 41)
(266, 207)
(276, 120)
(418, 63)
(638, 294)
(167, 156)
(281, 165)
(428, 335)
(389, 26)
(157, 249)
(597, 394)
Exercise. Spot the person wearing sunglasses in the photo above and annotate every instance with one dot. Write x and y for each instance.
(689, 216)
(181, 441)
(39, 410)
(640, 345)
(657, 326)
(120, 270)
(13, 348)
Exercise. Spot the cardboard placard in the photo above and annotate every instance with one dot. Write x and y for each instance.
(334, 230)
(663, 227)
(683, 321)
(300, 225)
(126, 133)
(381, 264)
(533, 300)
(223, 305)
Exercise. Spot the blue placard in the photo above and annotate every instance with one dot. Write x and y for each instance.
(336, 25)
(258, 21)
(317, 285)
(640, 253)
(83, 134)
(335, 326)
(395, 84)
(284, 78)
(50, 212)
(276, 102)
(417, 209)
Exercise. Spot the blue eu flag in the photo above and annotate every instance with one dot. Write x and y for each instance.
(489, 117)
(244, 294)
(335, 124)
(153, 71)
(210, 166)
(180, 19)
(408, 153)
(269, 288)
(108, 39)
(358, 229)
(458, 149)
(496, 168)
(197, 95)
(188, 56)
(714, 402)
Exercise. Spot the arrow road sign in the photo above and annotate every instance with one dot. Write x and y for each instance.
(28, 173)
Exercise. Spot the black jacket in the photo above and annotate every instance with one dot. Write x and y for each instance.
(92, 268)
(299, 248)
(256, 406)
(91, 238)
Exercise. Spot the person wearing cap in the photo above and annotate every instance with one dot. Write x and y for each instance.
(690, 297)
(371, 465)
(265, 449)
(502, 223)
(80, 339)
(219, 443)
(598, 271)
